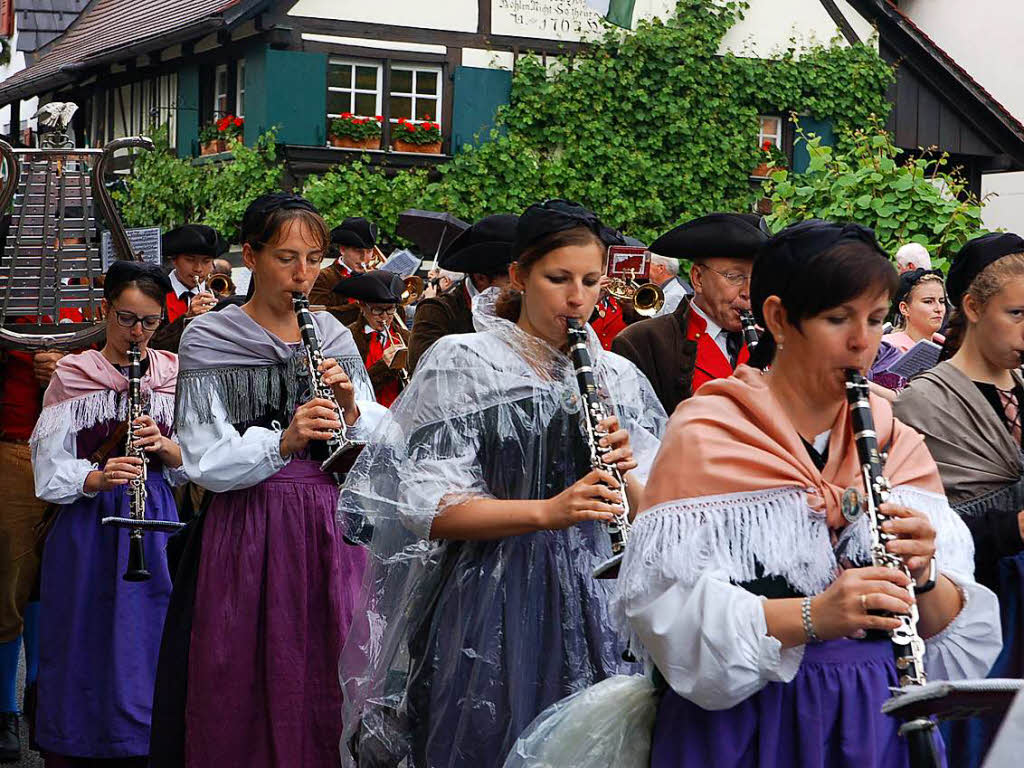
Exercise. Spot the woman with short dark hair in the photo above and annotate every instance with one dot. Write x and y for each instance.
(100, 634)
(744, 582)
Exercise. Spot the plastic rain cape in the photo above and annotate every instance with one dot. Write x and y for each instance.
(458, 645)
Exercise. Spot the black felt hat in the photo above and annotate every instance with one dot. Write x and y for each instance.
(974, 256)
(192, 239)
(377, 286)
(484, 248)
(356, 232)
(724, 235)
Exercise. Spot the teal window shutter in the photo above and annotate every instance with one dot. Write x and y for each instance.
(187, 126)
(295, 88)
(477, 95)
(823, 128)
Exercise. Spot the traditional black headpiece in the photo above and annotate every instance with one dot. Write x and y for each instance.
(377, 286)
(485, 248)
(255, 217)
(547, 218)
(908, 280)
(974, 256)
(193, 239)
(355, 231)
(723, 235)
(121, 272)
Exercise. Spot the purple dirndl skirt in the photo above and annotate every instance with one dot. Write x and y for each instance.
(828, 716)
(274, 599)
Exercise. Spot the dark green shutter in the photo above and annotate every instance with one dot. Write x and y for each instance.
(823, 128)
(477, 96)
(187, 127)
(287, 89)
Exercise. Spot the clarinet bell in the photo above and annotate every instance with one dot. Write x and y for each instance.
(136, 570)
(343, 457)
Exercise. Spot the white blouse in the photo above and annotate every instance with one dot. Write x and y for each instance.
(709, 638)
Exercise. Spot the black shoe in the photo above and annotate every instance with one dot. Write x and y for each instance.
(10, 744)
(28, 711)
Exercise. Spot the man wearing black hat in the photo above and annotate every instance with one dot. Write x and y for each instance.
(382, 341)
(483, 252)
(352, 246)
(191, 249)
(702, 339)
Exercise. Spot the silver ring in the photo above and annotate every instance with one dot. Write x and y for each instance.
(864, 602)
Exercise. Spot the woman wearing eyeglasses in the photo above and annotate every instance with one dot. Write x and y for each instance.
(99, 634)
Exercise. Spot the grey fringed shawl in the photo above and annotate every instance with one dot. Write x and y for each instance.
(980, 465)
(228, 356)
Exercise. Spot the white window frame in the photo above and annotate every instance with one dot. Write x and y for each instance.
(240, 88)
(435, 116)
(353, 63)
(218, 95)
(774, 138)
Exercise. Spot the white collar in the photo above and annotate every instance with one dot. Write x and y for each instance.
(180, 288)
(713, 329)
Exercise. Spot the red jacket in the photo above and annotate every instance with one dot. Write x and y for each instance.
(711, 362)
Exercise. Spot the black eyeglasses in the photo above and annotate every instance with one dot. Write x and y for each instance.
(129, 319)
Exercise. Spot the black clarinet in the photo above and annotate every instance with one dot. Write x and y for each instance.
(136, 521)
(594, 413)
(750, 333)
(906, 640)
(339, 452)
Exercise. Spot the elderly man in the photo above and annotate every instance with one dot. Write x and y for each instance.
(702, 339)
(665, 273)
(912, 256)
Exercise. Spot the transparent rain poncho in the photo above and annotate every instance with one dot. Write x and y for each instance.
(458, 645)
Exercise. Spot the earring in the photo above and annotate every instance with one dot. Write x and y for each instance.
(779, 345)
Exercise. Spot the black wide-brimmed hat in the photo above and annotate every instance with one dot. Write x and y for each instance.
(378, 286)
(484, 248)
(723, 235)
(974, 256)
(356, 232)
(194, 240)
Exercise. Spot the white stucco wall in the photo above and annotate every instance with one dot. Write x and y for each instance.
(1005, 209)
(769, 26)
(28, 108)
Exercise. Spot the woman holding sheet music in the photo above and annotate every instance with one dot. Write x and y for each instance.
(968, 409)
(919, 308)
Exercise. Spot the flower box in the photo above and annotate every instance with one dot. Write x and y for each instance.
(433, 148)
(213, 147)
(347, 142)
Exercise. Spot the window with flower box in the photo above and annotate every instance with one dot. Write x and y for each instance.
(771, 142)
(354, 87)
(415, 94)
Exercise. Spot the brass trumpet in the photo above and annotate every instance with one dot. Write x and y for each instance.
(220, 284)
(396, 356)
(647, 298)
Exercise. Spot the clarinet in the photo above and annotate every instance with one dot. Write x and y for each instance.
(136, 522)
(341, 450)
(595, 413)
(750, 332)
(907, 644)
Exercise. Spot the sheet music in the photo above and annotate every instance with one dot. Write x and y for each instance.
(920, 357)
(402, 262)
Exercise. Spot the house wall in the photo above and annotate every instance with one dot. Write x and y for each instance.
(28, 107)
(997, 65)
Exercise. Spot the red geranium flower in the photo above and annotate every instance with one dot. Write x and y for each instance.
(402, 121)
(426, 117)
(222, 124)
(378, 118)
(410, 127)
(767, 146)
(238, 122)
(346, 115)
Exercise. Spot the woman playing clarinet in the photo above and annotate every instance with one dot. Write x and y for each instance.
(100, 634)
(265, 593)
(480, 607)
(748, 581)
(969, 410)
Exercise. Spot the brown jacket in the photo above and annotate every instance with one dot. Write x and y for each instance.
(448, 313)
(658, 346)
(380, 374)
(323, 293)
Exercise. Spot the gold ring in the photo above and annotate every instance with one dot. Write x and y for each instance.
(864, 602)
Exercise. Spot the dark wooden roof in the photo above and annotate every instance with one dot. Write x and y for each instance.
(936, 102)
(113, 30)
(41, 21)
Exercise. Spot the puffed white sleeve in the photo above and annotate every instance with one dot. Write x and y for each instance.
(710, 640)
(968, 646)
(218, 458)
(58, 472)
